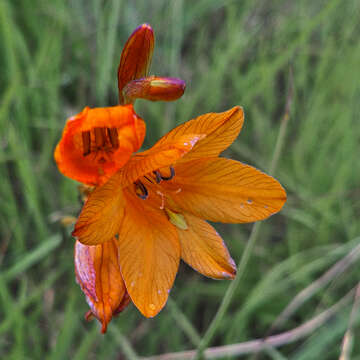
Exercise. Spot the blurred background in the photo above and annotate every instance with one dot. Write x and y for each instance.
(56, 57)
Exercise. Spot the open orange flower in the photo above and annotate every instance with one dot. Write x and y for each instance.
(156, 206)
(97, 142)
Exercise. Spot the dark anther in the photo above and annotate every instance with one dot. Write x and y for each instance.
(158, 176)
(113, 136)
(172, 174)
(141, 190)
(86, 140)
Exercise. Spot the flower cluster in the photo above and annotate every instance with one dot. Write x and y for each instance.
(149, 209)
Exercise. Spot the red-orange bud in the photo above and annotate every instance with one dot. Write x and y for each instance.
(136, 57)
(154, 88)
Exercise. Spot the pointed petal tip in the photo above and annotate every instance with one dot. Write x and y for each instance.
(89, 316)
(228, 276)
(146, 26)
(145, 29)
(151, 311)
(103, 327)
(282, 196)
(237, 110)
(232, 274)
(229, 273)
(148, 310)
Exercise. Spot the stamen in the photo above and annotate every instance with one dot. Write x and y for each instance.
(140, 190)
(172, 174)
(113, 137)
(86, 141)
(148, 179)
(158, 176)
(162, 199)
(100, 137)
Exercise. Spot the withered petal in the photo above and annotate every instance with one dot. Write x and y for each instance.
(98, 274)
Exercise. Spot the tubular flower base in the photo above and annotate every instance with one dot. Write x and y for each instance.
(154, 208)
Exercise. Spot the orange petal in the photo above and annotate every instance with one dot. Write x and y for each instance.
(91, 166)
(204, 250)
(154, 89)
(221, 129)
(98, 273)
(225, 190)
(157, 157)
(101, 216)
(136, 57)
(149, 255)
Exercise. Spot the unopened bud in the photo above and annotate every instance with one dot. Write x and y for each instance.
(154, 88)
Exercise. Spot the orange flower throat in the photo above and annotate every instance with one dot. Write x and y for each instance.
(155, 178)
(100, 139)
(158, 188)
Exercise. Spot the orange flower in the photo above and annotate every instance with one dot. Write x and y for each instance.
(157, 204)
(98, 142)
(94, 145)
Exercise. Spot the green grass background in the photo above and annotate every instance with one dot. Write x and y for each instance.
(58, 56)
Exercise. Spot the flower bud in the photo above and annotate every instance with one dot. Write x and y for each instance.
(154, 88)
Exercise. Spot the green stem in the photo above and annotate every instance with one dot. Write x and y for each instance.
(124, 343)
(214, 325)
(184, 323)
